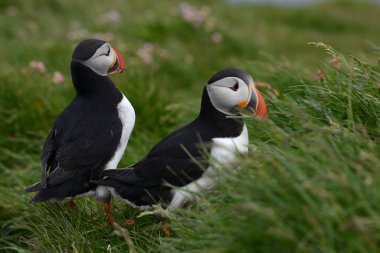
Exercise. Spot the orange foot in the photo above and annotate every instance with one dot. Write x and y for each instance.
(129, 222)
(166, 230)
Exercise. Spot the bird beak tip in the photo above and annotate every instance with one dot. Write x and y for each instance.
(256, 104)
(119, 65)
(261, 108)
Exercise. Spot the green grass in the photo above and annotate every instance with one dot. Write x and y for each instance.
(311, 180)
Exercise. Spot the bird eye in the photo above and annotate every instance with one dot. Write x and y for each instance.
(108, 52)
(235, 87)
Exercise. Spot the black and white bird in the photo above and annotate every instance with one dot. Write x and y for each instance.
(177, 166)
(91, 133)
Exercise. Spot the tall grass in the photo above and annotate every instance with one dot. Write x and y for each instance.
(310, 181)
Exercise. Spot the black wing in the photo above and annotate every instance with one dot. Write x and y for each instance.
(48, 152)
(75, 146)
(178, 159)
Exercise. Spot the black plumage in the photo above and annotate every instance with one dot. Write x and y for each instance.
(86, 48)
(176, 160)
(231, 72)
(84, 137)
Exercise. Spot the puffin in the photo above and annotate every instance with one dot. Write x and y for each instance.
(192, 158)
(90, 135)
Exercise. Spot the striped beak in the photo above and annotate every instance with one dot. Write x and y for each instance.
(118, 65)
(255, 104)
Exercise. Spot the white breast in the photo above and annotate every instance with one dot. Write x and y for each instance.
(127, 117)
(223, 155)
(224, 151)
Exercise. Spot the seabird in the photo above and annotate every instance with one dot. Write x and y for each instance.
(91, 133)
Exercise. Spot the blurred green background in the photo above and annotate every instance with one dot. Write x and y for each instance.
(323, 120)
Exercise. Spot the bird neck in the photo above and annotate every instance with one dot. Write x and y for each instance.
(230, 127)
(89, 84)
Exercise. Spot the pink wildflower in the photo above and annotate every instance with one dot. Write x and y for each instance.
(58, 78)
(37, 66)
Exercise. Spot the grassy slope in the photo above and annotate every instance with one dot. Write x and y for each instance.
(310, 182)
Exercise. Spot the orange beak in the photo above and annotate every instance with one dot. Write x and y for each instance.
(255, 103)
(261, 108)
(118, 66)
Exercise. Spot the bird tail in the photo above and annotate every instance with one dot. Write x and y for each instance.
(34, 187)
(107, 177)
(125, 176)
(127, 185)
(39, 197)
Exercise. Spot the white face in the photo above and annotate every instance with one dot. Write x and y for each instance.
(227, 93)
(102, 60)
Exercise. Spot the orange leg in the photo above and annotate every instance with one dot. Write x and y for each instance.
(166, 230)
(107, 207)
(129, 222)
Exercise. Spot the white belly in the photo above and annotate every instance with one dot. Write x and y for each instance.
(223, 155)
(127, 117)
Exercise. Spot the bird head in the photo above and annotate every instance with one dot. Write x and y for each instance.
(233, 92)
(99, 56)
